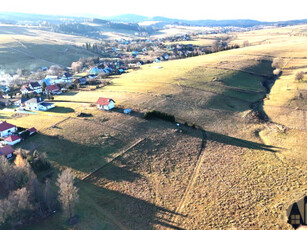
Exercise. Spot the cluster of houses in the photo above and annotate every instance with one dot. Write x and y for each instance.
(10, 136)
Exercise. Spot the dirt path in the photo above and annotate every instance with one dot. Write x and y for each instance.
(192, 180)
(116, 156)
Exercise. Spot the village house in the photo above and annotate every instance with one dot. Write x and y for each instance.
(54, 79)
(53, 89)
(105, 103)
(36, 87)
(32, 87)
(12, 140)
(6, 129)
(4, 101)
(32, 131)
(37, 103)
(21, 102)
(7, 151)
(25, 89)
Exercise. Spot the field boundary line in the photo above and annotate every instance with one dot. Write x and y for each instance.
(65, 119)
(193, 177)
(119, 154)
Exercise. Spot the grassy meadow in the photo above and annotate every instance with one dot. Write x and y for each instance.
(32, 48)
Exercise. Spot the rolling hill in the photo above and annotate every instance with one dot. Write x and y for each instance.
(235, 169)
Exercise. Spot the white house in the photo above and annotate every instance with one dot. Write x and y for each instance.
(7, 129)
(12, 140)
(105, 103)
(7, 151)
(37, 103)
(36, 87)
(54, 79)
(53, 89)
(26, 89)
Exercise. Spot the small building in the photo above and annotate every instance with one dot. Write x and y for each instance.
(21, 102)
(47, 81)
(26, 89)
(82, 80)
(38, 103)
(36, 87)
(32, 131)
(95, 70)
(7, 151)
(53, 89)
(105, 103)
(12, 140)
(7, 129)
(127, 111)
(4, 101)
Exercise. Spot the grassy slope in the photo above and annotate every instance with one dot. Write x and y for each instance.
(241, 182)
(31, 48)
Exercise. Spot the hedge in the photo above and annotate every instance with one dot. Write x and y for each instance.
(157, 114)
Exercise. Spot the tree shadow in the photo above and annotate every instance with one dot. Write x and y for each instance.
(60, 109)
(133, 212)
(239, 142)
(69, 93)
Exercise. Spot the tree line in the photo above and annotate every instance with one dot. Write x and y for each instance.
(25, 198)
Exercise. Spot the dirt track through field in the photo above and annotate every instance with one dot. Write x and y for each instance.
(114, 158)
(192, 179)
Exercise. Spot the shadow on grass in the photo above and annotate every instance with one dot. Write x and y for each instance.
(239, 142)
(60, 109)
(127, 210)
(239, 90)
(69, 93)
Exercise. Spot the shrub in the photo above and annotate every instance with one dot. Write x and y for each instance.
(276, 72)
(156, 114)
(299, 76)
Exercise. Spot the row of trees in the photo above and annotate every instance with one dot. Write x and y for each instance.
(27, 198)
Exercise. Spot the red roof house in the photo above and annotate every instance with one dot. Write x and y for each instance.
(12, 140)
(6, 129)
(53, 89)
(105, 103)
(32, 130)
(7, 151)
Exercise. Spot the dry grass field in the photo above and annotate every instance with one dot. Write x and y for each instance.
(32, 48)
(239, 172)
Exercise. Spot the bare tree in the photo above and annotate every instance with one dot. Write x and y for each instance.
(12, 207)
(68, 193)
(76, 66)
(299, 75)
(278, 63)
(6, 174)
(55, 70)
(49, 196)
(245, 43)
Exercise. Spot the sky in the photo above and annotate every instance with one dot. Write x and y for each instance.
(263, 10)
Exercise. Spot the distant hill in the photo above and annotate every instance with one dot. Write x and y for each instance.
(129, 21)
(211, 23)
(14, 18)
